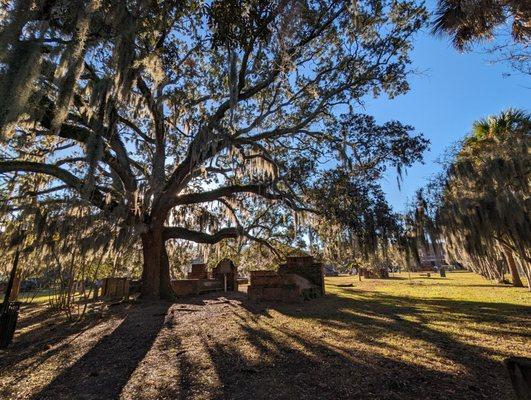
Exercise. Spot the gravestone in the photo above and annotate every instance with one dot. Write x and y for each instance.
(15, 290)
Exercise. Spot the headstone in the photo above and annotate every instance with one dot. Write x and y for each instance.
(16, 287)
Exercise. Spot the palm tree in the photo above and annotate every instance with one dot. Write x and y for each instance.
(467, 21)
(483, 215)
(496, 128)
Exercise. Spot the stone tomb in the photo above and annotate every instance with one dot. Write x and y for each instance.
(380, 273)
(297, 279)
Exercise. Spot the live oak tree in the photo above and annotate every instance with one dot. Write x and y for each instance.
(182, 119)
(356, 226)
(350, 220)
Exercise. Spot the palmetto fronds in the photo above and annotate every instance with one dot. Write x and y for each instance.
(469, 20)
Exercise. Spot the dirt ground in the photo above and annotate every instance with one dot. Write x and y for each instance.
(373, 340)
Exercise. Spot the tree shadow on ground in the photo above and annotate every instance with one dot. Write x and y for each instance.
(486, 285)
(357, 344)
(105, 369)
(45, 332)
(252, 357)
(314, 369)
(301, 369)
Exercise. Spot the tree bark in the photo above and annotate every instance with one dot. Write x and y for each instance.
(165, 288)
(156, 272)
(527, 273)
(515, 277)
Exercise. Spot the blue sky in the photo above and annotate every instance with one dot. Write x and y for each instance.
(449, 93)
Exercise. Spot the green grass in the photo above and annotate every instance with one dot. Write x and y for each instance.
(456, 286)
(40, 296)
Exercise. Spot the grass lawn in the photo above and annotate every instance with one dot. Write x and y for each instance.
(36, 296)
(419, 338)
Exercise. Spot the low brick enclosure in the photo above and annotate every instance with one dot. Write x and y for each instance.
(306, 267)
(115, 288)
(297, 279)
(199, 271)
(224, 275)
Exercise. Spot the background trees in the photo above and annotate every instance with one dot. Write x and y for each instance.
(173, 120)
(356, 225)
(481, 206)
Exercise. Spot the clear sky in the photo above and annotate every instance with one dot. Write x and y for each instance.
(449, 93)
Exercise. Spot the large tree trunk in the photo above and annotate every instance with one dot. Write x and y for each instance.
(527, 272)
(515, 277)
(525, 266)
(165, 288)
(156, 272)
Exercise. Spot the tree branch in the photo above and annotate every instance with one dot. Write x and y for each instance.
(72, 181)
(175, 232)
(211, 195)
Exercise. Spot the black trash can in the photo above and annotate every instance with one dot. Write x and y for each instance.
(8, 323)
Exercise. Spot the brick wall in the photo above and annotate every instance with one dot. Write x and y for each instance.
(299, 277)
(198, 271)
(115, 288)
(306, 267)
(185, 287)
